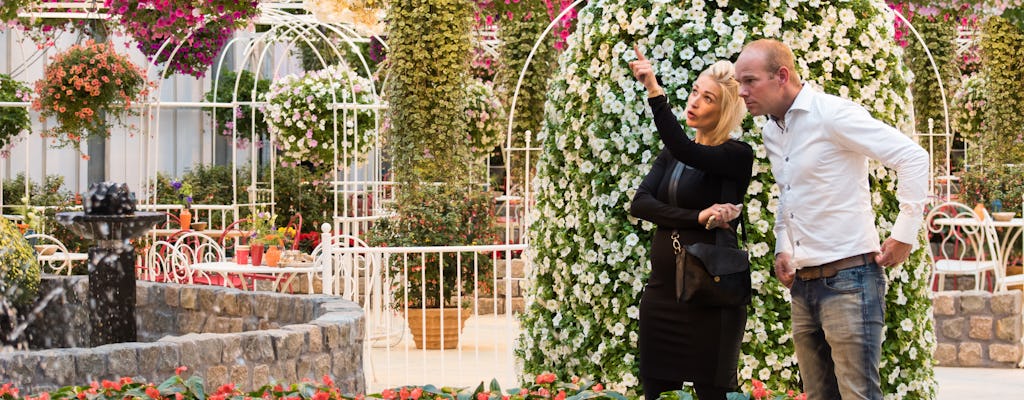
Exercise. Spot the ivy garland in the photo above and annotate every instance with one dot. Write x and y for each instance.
(1003, 138)
(427, 67)
(940, 35)
(590, 258)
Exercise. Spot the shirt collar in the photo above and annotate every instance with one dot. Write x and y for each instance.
(801, 102)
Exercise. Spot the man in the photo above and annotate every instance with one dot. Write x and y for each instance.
(827, 250)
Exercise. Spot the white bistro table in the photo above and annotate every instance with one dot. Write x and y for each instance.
(227, 268)
(1013, 229)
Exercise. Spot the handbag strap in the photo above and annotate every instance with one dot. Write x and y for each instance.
(728, 188)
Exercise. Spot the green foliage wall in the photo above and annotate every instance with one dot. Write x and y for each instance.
(427, 68)
(590, 258)
(940, 36)
(1003, 66)
(519, 27)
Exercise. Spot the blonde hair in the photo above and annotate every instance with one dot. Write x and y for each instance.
(732, 107)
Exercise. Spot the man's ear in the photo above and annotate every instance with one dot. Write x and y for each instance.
(784, 76)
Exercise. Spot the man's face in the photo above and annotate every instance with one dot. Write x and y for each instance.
(759, 88)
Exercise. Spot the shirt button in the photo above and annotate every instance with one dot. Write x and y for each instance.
(787, 159)
(791, 215)
(797, 242)
(787, 187)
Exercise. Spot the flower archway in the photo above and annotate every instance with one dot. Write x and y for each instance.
(590, 257)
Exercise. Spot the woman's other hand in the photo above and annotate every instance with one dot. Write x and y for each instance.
(719, 215)
(644, 73)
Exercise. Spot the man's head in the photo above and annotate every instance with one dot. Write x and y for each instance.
(768, 80)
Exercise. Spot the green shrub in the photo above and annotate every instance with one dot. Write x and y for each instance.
(433, 215)
(19, 270)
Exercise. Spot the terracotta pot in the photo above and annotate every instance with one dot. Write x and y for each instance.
(425, 325)
(185, 217)
(272, 256)
(256, 254)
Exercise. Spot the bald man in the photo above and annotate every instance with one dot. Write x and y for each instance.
(828, 251)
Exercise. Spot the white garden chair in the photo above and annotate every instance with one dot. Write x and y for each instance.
(962, 243)
(53, 254)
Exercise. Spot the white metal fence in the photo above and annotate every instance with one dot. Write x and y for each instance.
(484, 286)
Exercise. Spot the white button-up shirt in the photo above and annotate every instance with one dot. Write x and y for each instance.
(819, 154)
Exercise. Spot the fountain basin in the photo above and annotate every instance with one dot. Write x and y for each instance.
(223, 335)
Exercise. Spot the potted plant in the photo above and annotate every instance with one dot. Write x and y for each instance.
(183, 190)
(434, 215)
(83, 88)
(261, 224)
(13, 120)
(300, 116)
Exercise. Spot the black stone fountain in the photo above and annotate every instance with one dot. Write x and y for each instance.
(110, 219)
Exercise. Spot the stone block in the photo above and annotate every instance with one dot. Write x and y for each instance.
(261, 374)
(220, 324)
(1009, 329)
(974, 301)
(188, 297)
(92, 364)
(123, 359)
(215, 377)
(332, 335)
(1005, 353)
(518, 267)
(265, 308)
(284, 371)
(952, 328)
(58, 366)
(231, 346)
(191, 322)
(142, 294)
(241, 377)
(171, 293)
(286, 312)
(229, 304)
(970, 354)
(209, 301)
(160, 358)
(287, 344)
(257, 347)
(945, 355)
(1006, 303)
(250, 324)
(945, 303)
(312, 337)
(980, 327)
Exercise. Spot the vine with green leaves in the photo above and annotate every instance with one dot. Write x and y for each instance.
(1003, 66)
(427, 67)
(940, 36)
(239, 119)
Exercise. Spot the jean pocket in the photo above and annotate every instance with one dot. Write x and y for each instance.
(846, 282)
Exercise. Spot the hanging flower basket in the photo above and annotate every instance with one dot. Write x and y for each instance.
(201, 27)
(486, 116)
(13, 120)
(84, 88)
(300, 115)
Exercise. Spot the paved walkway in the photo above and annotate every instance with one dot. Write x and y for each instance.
(488, 341)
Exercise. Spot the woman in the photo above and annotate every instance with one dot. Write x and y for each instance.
(681, 342)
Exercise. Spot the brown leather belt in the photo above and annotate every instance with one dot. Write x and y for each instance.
(829, 270)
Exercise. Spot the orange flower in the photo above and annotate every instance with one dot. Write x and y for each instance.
(545, 378)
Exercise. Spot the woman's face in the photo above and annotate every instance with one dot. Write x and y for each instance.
(703, 108)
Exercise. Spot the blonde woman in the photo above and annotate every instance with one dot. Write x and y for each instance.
(683, 341)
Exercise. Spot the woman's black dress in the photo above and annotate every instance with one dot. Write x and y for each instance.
(678, 341)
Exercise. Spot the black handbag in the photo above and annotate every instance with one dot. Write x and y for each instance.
(711, 274)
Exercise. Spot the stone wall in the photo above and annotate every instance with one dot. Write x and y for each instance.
(978, 329)
(223, 335)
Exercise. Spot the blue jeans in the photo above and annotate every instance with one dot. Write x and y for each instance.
(837, 330)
